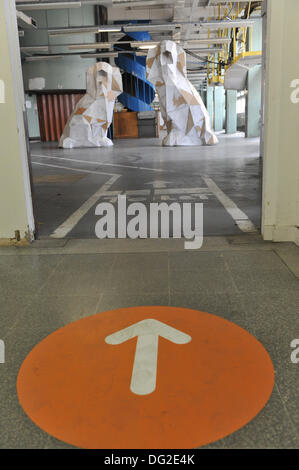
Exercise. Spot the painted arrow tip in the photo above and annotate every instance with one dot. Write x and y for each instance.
(144, 375)
(148, 326)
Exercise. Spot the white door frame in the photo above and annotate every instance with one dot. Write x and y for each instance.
(19, 99)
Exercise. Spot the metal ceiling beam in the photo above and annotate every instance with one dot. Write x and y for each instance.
(48, 6)
(26, 49)
(85, 29)
(150, 27)
(190, 44)
(45, 57)
(25, 21)
(153, 27)
(193, 42)
(224, 24)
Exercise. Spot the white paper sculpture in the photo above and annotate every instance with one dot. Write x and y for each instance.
(88, 124)
(186, 117)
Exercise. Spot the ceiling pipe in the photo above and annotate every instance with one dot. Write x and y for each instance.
(103, 55)
(45, 57)
(25, 21)
(48, 6)
(190, 44)
(37, 5)
(153, 26)
(85, 29)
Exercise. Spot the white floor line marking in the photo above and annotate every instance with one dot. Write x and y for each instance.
(161, 170)
(75, 169)
(144, 375)
(241, 219)
(72, 221)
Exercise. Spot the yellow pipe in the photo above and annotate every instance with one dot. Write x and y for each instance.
(246, 29)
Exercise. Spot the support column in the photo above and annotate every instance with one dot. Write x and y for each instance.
(203, 94)
(280, 214)
(210, 103)
(219, 108)
(15, 192)
(254, 102)
(231, 112)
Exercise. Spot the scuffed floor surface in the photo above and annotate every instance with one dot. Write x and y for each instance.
(241, 278)
(143, 170)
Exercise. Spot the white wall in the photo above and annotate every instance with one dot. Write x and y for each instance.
(281, 146)
(68, 72)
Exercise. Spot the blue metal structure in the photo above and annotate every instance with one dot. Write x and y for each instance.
(138, 92)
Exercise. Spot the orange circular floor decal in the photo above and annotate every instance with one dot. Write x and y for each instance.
(145, 377)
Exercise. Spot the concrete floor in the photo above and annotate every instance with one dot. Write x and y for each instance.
(236, 276)
(65, 179)
(241, 278)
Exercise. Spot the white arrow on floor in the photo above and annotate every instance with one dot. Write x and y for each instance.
(144, 373)
(159, 184)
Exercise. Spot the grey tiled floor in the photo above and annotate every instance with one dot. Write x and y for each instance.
(243, 279)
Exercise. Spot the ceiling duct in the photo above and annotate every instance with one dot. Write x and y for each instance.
(85, 29)
(25, 21)
(43, 57)
(48, 5)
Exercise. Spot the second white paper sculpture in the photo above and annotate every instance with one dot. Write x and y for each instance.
(88, 124)
(183, 111)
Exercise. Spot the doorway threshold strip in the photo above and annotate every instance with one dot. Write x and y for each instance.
(241, 219)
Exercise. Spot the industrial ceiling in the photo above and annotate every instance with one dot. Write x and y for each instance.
(204, 28)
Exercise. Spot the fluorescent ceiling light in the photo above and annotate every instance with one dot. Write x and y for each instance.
(43, 57)
(150, 27)
(84, 29)
(48, 6)
(147, 47)
(106, 29)
(144, 44)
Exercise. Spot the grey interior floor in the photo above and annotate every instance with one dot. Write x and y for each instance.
(241, 278)
(222, 176)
